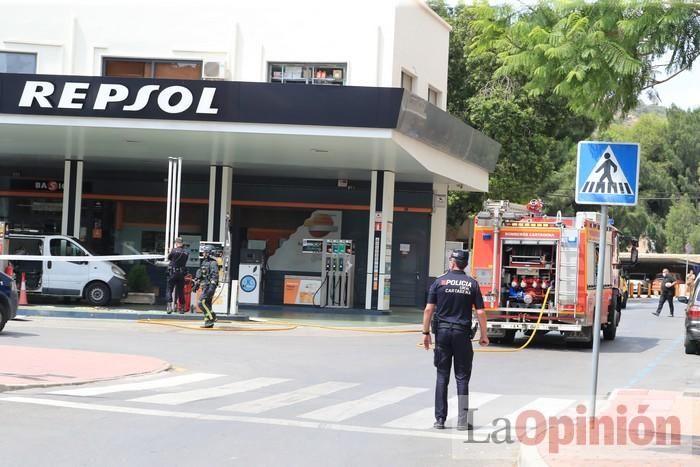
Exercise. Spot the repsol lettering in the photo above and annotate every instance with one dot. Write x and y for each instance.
(173, 99)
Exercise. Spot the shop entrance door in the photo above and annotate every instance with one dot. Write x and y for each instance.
(409, 259)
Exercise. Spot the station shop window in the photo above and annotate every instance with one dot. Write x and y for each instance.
(151, 68)
(308, 73)
(17, 62)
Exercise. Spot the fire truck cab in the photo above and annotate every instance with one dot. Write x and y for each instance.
(519, 253)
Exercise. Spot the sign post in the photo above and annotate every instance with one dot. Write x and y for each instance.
(606, 174)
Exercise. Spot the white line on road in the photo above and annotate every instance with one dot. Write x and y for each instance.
(239, 419)
(140, 386)
(546, 406)
(177, 398)
(289, 398)
(345, 410)
(424, 418)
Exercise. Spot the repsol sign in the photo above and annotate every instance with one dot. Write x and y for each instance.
(168, 99)
(222, 101)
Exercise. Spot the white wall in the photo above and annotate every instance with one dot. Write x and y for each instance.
(421, 48)
(374, 37)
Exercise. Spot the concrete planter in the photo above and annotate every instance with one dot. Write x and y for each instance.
(140, 298)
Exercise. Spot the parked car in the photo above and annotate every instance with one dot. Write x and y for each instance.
(638, 283)
(692, 319)
(8, 299)
(656, 285)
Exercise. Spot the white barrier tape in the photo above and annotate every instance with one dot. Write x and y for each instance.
(79, 259)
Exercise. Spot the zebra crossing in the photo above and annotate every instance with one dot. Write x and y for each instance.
(328, 403)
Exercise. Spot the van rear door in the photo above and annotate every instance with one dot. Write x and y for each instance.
(65, 277)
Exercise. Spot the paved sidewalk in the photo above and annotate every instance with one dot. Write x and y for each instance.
(643, 428)
(28, 367)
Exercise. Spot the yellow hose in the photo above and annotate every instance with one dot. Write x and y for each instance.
(522, 347)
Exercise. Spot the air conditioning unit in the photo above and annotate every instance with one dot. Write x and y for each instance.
(213, 70)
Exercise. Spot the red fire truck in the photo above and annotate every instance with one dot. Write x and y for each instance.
(519, 253)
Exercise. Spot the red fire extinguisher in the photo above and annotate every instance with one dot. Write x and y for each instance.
(189, 284)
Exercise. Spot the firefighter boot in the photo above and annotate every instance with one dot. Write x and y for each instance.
(169, 307)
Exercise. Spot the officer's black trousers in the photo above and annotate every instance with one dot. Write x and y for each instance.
(665, 298)
(176, 283)
(452, 343)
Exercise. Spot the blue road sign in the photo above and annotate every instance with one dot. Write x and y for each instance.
(607, 173)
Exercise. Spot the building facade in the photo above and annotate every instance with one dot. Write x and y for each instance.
(285, 115)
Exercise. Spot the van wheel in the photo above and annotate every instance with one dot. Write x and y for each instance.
(97, 294)
(3, 320)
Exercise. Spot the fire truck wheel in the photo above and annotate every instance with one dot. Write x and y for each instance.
(509, 337)
(588, 331)
(610, 330)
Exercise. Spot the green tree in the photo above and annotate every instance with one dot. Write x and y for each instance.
(535, 132)
(681, 221)
(599, 56)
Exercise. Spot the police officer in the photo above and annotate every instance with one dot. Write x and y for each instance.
(177, 268)
(208, 279)
(452, 298)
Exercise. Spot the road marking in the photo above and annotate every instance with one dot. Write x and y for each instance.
(239, 419)
(345, 410)
(425, 418)
(546, 406)
(177, 398)
(289, 398)
(140, 386)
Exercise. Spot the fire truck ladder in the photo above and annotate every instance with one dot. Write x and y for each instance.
(568, 268)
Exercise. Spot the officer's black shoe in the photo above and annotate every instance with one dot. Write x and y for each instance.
(439, 424)
(465, 427)
(208, 324)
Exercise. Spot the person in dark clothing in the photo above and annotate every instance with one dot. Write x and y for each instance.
(177, 268)
(208, 279)
(668, 291)
(452, 299)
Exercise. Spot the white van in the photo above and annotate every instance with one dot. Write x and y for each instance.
(99, 282)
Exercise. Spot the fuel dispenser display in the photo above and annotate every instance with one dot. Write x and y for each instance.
(337, 271)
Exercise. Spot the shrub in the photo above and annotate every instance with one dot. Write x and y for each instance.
(138, 280)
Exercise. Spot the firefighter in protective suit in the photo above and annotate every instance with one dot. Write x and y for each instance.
(208, 279)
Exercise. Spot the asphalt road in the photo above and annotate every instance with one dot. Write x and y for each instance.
(308, 396)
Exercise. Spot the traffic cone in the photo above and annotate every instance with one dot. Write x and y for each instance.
(23, 290)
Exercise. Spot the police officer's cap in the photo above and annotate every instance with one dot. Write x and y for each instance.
(460, 256)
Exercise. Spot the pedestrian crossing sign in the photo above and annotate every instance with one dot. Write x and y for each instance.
(607, 173)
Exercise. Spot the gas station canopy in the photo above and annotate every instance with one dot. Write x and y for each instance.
(257, 128)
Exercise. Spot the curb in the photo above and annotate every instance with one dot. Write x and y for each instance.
(315, 310)
(16, 387)
(118, 315)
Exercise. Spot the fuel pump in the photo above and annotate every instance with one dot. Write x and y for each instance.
(337, 273)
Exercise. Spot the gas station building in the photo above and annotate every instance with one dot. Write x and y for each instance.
(296, 120)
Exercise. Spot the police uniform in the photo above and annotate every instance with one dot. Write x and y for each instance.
(208, 279)
(177, 268)
(455, 295)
